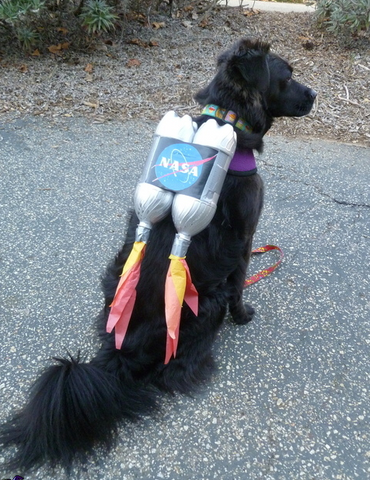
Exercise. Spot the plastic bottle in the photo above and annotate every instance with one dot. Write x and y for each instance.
(153, 203)
(191, 214)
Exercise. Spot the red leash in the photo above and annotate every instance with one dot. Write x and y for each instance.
(267, 271)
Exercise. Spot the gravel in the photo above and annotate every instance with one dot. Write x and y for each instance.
(157, 63)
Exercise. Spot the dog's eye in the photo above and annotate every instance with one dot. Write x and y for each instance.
(284, 83)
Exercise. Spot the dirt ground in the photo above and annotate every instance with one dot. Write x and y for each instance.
(156, 63)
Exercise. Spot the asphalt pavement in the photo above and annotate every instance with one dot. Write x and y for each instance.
(291, 397)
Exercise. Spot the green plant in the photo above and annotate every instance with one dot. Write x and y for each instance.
(18, 16)
(27, 37)
(98, 16)
(12, 11)
(33, 22)
(338, 15)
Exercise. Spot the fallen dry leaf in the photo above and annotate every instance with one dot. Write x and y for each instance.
(23, 68)
(36, 53)
(54, 48)
(250, 12)
(133, 62)
(137, 17)
(57, 48)
(62, 30)
(157, 25)
(89, 68)
(140, 43)
(204, 23)
(90, 104)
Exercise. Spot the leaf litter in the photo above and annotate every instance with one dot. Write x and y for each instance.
(158, 64)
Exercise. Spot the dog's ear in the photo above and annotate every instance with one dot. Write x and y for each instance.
(248, 61)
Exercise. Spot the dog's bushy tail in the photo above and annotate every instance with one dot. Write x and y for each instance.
(72, 407)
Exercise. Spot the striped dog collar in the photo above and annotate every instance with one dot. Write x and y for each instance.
(227, 116)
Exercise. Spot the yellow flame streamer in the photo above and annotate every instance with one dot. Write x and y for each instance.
(178, 287)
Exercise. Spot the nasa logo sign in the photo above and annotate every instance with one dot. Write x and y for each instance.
(179, 166)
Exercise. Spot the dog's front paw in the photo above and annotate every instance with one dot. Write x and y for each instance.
(243, 315)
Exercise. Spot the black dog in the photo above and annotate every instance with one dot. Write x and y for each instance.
(74, 406)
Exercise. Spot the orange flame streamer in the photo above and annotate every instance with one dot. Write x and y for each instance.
(124, 298)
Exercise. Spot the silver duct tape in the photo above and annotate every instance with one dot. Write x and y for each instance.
(180, 245)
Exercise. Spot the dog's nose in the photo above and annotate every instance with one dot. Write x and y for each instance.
(311, 94)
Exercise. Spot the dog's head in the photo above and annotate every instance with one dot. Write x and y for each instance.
(286, 97)
(257, 85)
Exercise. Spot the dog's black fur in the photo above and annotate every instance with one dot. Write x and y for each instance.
(74, 405)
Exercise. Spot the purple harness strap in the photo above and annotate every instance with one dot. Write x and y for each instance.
(243, 163)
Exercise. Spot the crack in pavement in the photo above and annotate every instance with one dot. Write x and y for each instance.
(316, 187)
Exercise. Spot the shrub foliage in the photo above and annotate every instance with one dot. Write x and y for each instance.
(27, 20)
(340, 15)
